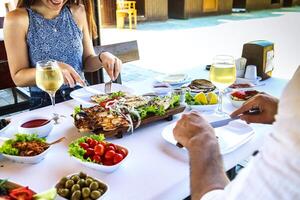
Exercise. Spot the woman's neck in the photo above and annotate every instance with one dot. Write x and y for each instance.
(47, 13)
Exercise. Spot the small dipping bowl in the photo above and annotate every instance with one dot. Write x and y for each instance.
(39, 125)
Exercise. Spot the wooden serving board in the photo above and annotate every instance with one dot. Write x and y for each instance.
(118, 133)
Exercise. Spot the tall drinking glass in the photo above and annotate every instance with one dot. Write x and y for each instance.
(222, 75)
(49, 78)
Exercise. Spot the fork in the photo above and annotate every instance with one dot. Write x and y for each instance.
(107, 87)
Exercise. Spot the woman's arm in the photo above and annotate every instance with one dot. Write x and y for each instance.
(93, 62)
(15, 30)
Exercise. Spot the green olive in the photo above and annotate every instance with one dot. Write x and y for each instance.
(82, 175)
(88, 198)
(75, 187)
(101, 191)
(76, 195)
(63, 180)
(85, 192)
(63, 192)
(81, 182)
(75, 178)
(69, 183)
(94, 185)
(88, 181)
(95, 194)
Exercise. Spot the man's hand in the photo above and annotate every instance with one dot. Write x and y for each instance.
(267, 105)
(111, 64)
(207, 173)
(191, 128)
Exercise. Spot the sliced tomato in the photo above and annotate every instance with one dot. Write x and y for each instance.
(23, 193)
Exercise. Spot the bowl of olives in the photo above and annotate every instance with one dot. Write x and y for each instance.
(80, 187)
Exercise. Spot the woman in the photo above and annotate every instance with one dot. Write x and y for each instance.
(54, 29)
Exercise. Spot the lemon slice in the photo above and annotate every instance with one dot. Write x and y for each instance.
(47, 195)
(212, 98)
(201, 98)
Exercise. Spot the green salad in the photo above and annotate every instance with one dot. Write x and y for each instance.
(8, 146)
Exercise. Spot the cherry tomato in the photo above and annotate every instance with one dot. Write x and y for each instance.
(92, 143)
(118, 158)
(84, 145)
(109, 155)
(108, 148)
(108, 162)
(113, 146)
(122, 151)
(90, 152)
(99, 149)
(96, 158)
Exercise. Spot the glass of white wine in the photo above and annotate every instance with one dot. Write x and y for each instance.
(222, 75)
(49, 78)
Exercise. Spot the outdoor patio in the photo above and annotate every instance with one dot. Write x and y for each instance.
(180, 45)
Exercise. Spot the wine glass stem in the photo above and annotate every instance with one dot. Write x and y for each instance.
(220, 107)
(52, 97)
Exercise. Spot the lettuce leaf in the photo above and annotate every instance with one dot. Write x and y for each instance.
(77, 151)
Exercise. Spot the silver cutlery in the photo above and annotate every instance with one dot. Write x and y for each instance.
(107, 87)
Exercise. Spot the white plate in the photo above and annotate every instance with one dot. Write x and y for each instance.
(204, 108)
(245, 80)
(174, 79)
(83, 96)
(230, 137)
(100, 167)
(28, 159)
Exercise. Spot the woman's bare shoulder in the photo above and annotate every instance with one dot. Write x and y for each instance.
(78, 12)
(17, 17)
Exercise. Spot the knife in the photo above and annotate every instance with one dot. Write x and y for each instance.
(224, 122)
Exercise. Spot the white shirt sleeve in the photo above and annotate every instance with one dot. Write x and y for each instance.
(274, 173)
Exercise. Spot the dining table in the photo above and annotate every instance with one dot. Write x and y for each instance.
(154, 169)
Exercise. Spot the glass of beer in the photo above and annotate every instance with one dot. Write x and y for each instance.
(222, 75)
(49, 78)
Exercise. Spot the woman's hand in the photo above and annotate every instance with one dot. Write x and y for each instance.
(267, 105)
(71, 77)
(111, 64)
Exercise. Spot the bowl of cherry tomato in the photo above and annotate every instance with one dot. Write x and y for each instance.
(96, 153)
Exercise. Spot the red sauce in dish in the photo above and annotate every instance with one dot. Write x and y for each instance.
(35, 123)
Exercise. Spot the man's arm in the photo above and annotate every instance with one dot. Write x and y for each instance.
(207, 172)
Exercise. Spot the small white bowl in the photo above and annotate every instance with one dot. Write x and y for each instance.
(102, 168)
(2, 131)
(41, 131)
(58, 197)
(235, 103)
(27, 159)
(204, 108)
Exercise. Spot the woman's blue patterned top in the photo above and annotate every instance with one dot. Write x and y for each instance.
(58, 39)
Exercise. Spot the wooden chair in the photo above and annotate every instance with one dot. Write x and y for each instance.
(125, 8)
(126, 51)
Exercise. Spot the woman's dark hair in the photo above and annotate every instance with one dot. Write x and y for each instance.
(89, 7)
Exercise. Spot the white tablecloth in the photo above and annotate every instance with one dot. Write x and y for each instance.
(154, 169)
